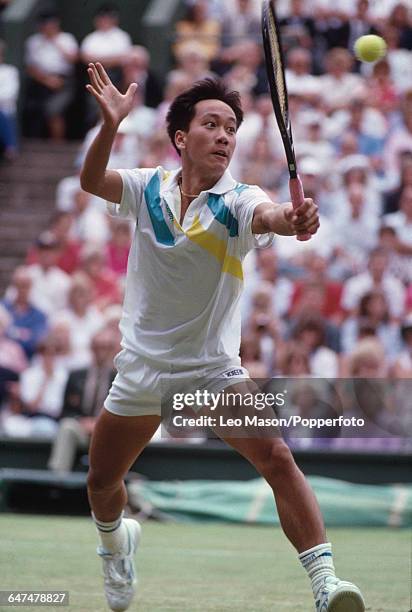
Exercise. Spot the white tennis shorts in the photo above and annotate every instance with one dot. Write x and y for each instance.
(141, 385)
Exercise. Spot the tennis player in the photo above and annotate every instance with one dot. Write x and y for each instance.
(193, 228)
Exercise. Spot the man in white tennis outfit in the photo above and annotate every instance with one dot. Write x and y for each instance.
(181, 316)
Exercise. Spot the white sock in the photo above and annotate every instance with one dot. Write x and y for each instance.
(318, 562)
(113, 536)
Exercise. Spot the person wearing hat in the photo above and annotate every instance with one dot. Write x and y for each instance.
(108, 43)
(50, 284)
(50, 58)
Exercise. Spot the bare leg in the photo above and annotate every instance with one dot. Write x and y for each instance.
(116, 443)
(299, 512)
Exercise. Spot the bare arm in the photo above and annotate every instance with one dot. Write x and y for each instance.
(284, 220)
(94, 176)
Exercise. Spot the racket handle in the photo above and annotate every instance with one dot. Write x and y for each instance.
(298, 198)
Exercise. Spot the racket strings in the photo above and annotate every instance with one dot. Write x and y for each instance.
(277, 65)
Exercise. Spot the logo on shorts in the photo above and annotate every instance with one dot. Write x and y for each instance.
(238, 372)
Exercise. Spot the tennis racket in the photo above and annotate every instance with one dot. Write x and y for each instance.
(277, 84)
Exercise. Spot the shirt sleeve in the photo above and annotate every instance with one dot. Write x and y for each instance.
(134, 184)
(244, 206)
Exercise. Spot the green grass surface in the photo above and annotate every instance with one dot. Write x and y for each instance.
(200, 567)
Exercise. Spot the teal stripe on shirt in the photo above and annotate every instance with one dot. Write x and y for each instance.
(152, 197)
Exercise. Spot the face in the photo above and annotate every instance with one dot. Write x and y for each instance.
(211, 138)
(103, 23)
(50, 28)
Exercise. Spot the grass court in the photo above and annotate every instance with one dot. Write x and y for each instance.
(207, 567)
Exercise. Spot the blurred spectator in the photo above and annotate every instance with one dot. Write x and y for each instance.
(251, 355)
(373, 315)
(310, 332)
(339, 85)
(383, 93)
(192, 63)
(400, 60)
(197, 26)
(240, 21)
(263, 324)
(399, 142)
(254, 170)
(138, 127)
(398, 265)
(391, 198)
(107, 44)
(402, 367)
(369, 128)
(267, 270)
(299, 77)
(81, 318)
(125, 151)
(65, 190)
(293, 360)
(28, 324)
(49, 283)
(69, 249)
(360, 24)
(401, 221)
(401, 18)
(298, 27)
(247, 73)
(355, 170)
(307, 400)
(356, 232)
(9, 89)
(312, 140)
(160, 152)
(105, 285)
(136, 69)
(176, 83)
(259, 122)
(118, 246)
(332, 29)
(317, 293)
(12, 356)
(89, 223)
(41, 392)
(85, 392)
(375, 277)
(369, 399)
(65, 356)
(50, 58)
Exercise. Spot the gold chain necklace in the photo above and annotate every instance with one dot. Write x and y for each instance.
(187, 195)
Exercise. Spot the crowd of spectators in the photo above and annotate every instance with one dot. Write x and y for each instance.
(339, 305)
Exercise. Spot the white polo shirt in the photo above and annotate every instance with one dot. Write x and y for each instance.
(184, 282)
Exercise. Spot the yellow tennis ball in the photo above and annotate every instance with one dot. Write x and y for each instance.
(370, 48)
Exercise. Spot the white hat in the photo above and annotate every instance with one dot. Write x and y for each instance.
(311, 117)
(310, 165)
(350, 162)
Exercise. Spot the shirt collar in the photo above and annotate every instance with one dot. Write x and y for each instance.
(224, 184)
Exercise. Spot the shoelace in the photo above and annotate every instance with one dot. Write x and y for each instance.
(111, 572)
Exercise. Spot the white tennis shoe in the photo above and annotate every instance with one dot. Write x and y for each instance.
(120, 581)
(336, 595)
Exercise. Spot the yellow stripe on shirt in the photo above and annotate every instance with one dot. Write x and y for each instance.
(216, 247)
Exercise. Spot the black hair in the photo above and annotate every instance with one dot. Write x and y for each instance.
(182, 110)
(48, 15)
(107, 9)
